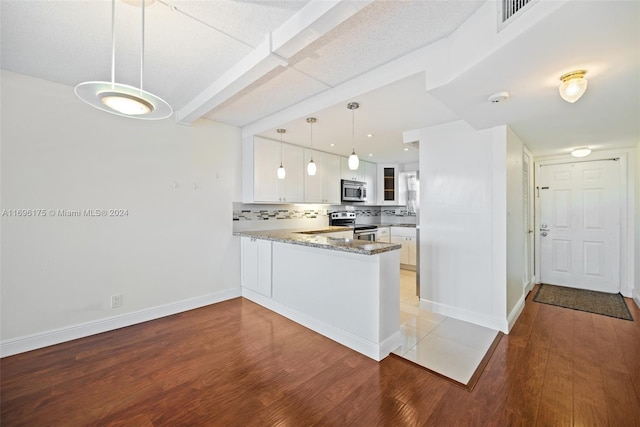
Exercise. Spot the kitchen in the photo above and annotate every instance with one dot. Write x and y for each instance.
(182, 180)
(328, 227)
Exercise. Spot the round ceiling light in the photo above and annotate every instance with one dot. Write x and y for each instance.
(123, 100)
(581, 152)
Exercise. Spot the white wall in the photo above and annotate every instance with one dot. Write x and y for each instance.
(636, 287)
(515, 225)
(177, 184)
(463, 223)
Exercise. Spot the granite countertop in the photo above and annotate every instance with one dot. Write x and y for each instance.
(315, 238)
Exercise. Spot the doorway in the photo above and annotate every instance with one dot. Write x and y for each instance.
(579, 224)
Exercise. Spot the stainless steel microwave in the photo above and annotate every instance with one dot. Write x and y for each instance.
(353, 191)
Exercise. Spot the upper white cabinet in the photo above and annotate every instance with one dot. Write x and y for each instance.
(371, 178)
(388, 184)
(324, 186)
(261, 158)
(348, 174)
(260, 183)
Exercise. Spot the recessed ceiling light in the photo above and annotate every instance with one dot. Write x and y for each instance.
(370, 154)
(332, 145)
(370, 135)
(406, 149)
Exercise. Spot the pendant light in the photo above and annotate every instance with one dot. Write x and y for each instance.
(311, 167)
(354, 162)
(281, 172)
(121, 99)
(573, 85)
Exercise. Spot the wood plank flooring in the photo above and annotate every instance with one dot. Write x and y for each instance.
(238, 364)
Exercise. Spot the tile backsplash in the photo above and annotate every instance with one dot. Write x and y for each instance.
(263, 217)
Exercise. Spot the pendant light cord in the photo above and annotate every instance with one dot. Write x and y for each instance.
(353, 130)
(281, 148)
(113, 41)
(311, 140)
(142, 49)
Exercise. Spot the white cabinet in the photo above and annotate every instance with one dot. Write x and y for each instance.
(324, 186)
(256, 265)
(406, 236)
(371, 178)
(388, 184)
(261, 158)
(356, 175)
(384, 234)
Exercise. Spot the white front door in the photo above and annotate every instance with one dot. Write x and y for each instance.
(580, 225)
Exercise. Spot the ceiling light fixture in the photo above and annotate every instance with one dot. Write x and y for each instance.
(311, 167)
(581, 152)
(121, 99)
(281, 172)
(573, 85)
(354, 162)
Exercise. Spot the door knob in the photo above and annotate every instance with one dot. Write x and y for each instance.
(544, 234)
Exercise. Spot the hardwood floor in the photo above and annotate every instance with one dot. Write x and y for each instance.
(236, 364)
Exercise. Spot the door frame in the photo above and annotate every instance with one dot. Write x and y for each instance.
(530, 281)
(627, 225)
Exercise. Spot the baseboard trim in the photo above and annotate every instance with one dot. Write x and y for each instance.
(636, 299)
(370, 349)
(466, 315)
(515, 313)
(57, 336)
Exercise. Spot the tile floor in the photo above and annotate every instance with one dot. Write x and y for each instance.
(447, 346)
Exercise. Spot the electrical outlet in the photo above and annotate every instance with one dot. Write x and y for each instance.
(116, 301)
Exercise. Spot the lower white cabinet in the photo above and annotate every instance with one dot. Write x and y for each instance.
(405, 236)
(384, 235)
(256, 265)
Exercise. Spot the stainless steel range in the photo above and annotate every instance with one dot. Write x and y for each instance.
(348, 219)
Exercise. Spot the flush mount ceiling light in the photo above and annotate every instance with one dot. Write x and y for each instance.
(581, 152)
(573, 85)
(354, 161)
(281, 172)
(311, 167)
(121, 99)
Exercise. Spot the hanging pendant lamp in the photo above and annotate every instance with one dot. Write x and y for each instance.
(281, 172)
(121, 99)
(311, 167)
(354, 161)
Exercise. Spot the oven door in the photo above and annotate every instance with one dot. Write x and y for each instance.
(370, 235)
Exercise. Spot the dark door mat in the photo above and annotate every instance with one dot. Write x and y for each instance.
(612, 305)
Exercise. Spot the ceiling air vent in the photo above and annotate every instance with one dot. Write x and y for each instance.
(511, 9)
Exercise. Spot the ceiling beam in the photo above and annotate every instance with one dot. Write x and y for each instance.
(315, 19)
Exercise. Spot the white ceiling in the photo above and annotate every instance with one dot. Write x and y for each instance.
(207, 58)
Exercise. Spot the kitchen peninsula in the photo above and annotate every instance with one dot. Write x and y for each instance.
(344, 289)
